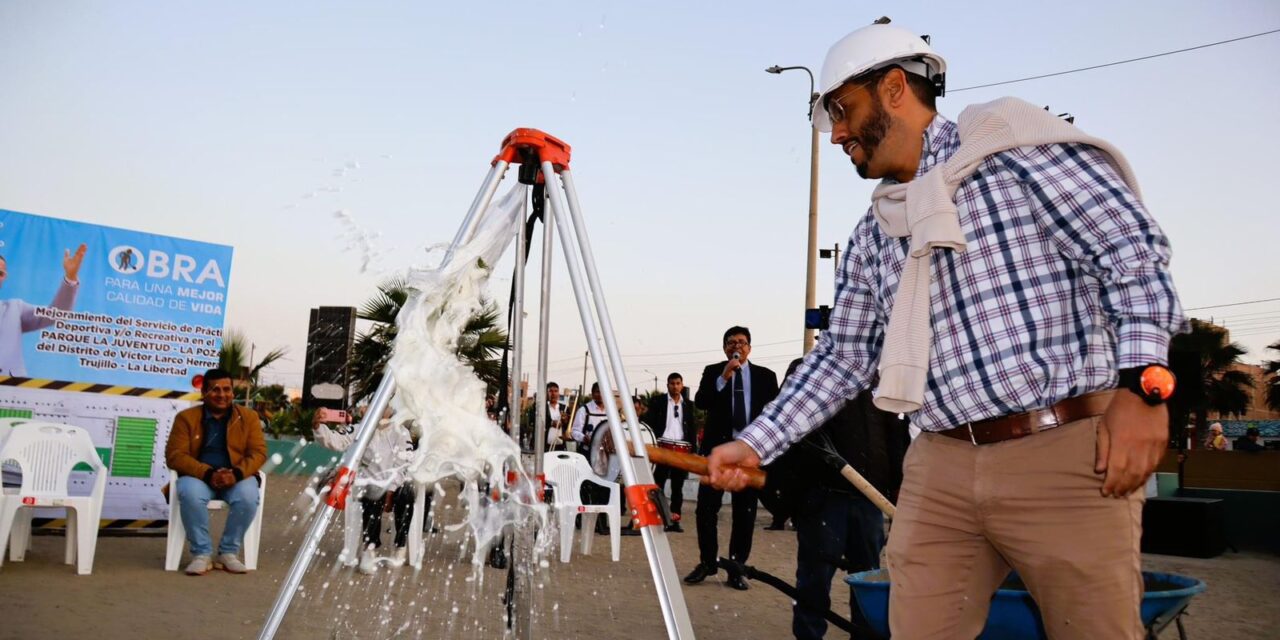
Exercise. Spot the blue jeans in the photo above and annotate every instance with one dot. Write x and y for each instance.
(832, 525)
(193, 498)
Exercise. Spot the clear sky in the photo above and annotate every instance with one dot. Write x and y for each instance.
(251, 124)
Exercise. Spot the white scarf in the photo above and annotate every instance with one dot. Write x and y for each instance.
(925, 210)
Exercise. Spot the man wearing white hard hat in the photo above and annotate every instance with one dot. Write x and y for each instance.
(1012, 293)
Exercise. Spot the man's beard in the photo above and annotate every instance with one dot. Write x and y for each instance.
(871, 135)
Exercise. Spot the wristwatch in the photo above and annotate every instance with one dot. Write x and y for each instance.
(1154, 383)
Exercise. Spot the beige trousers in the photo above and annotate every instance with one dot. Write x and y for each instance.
(967, 514)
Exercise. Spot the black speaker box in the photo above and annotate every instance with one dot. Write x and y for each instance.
(1189, 527)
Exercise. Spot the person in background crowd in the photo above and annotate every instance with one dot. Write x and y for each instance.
(1216, 441)
(732, 392)
(1250, 441)
(591, 417)
(557, 419)
(671, 417)
(383, 477)
(837, 526)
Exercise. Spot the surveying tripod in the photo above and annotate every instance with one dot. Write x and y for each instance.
(541, 158)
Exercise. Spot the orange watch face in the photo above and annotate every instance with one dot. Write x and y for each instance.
(1157, 381)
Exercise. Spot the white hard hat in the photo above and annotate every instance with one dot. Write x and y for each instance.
(874, 47)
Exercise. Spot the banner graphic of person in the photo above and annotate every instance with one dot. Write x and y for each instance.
(18, 316)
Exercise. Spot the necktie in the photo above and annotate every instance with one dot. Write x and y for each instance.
(739, 403)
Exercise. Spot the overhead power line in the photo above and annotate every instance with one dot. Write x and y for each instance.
(1232, 304)
(1118, 62)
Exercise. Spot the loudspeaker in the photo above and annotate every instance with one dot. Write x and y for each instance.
(330, 338)
(1189, 527)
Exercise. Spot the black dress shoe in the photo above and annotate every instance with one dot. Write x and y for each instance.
(700, 573)
(630, 531)
(737, 582)
(674, 527)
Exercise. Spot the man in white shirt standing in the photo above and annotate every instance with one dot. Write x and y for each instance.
(671, 417)
(589, 417)
(557, 420)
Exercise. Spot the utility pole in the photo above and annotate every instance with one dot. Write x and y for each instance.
(834, 253)
(811, 258)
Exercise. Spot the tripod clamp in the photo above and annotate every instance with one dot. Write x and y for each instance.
(529, 148)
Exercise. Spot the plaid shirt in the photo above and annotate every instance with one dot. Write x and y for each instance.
(1065, 279)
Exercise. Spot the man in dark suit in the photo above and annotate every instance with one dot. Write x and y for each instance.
(733, 393)
(671, 418)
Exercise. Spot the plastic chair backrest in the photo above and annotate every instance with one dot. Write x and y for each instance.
(46, 453)
(7, 425)
(565, 470)
(583, 468)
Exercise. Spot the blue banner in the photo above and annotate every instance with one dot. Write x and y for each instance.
(86, 303)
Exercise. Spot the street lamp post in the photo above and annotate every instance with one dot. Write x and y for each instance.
(811, 261)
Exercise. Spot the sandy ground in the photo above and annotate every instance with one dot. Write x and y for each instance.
(130, 596)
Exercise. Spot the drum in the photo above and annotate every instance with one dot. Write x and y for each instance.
(604, 458)
(675, 445)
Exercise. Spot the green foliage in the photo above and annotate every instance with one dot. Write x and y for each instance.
(1273, 383)
(480, 344)
(293, 420)
(234, 356)
(1202, 361)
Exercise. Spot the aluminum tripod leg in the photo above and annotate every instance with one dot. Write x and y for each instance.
(635, 469)
(519, 608)
(336, 500)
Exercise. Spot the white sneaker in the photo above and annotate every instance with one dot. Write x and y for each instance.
(230, 563)
(400, 557)
(369, 561)
(199, 566)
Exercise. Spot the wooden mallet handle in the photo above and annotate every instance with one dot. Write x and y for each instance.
(694, 463)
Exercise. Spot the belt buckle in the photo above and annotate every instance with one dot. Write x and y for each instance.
(972, 438)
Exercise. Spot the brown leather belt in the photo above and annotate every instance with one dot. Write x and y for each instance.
(1020, 425)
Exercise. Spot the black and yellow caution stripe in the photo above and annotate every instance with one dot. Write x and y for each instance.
(52, 524)
(90, 387)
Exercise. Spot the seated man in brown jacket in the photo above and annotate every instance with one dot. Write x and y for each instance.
(216, 448)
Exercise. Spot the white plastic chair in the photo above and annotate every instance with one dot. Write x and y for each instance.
(567, 471)
(177, 539)
(46, 453)
(353, 526)
(20, 535)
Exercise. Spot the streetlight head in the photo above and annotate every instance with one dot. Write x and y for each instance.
(774, 69)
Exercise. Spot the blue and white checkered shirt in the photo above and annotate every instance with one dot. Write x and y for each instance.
(1065, 280)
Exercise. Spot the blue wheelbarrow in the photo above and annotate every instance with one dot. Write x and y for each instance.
(1014, 615)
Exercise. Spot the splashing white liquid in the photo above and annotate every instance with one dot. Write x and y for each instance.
(443, 395)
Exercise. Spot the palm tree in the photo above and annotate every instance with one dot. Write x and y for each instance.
(1202, 360)
(234, 356)
(1273, 385)
(480, 344)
